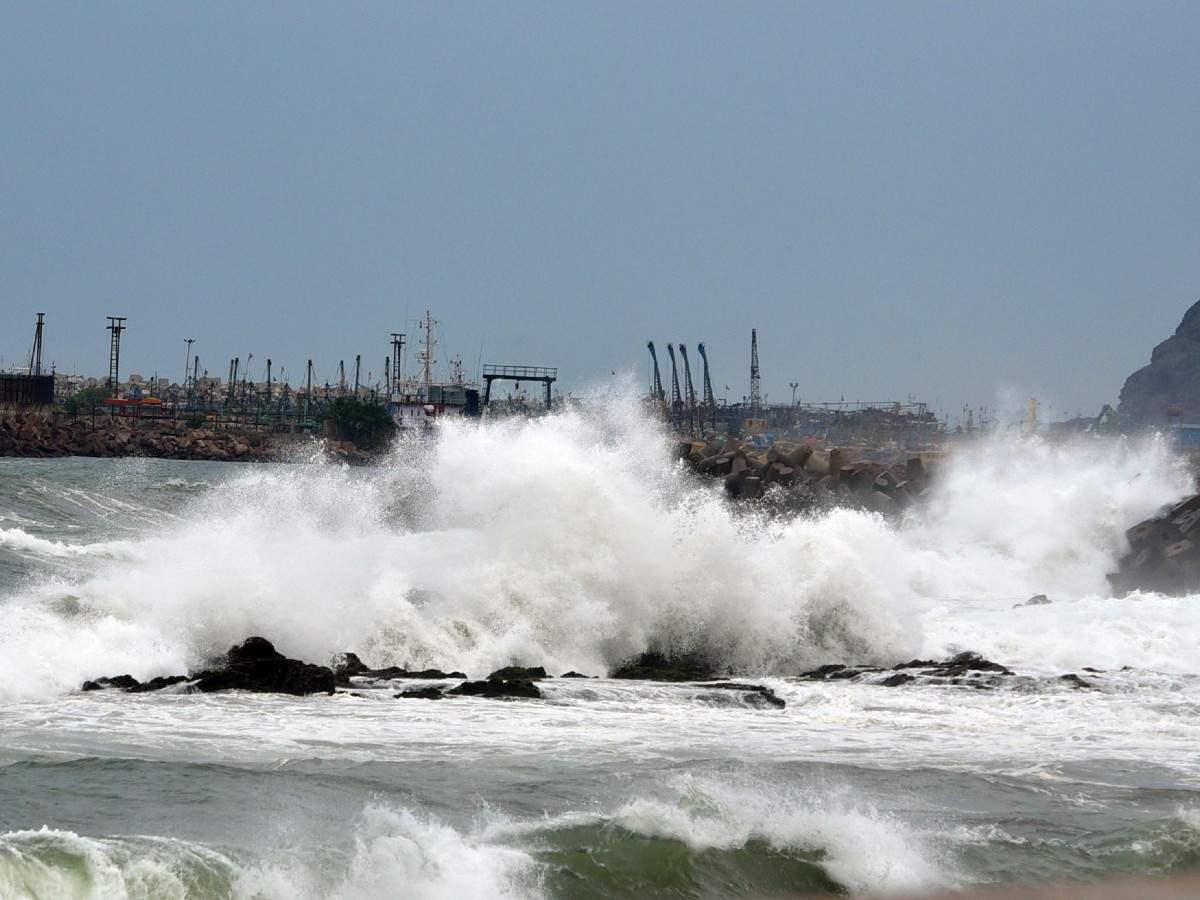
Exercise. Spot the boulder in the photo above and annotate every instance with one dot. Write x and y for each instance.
(347, 664)
(499, 688)
(255, 665)
(521, 673)
(753, 694)
(123, 682)
(157, 684)
(425, 693)
(656, 666)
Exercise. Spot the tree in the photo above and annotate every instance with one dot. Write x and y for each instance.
(86, 400)
(366, 424)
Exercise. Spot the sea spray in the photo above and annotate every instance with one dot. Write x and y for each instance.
(572, 541)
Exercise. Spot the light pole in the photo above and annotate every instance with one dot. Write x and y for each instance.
(187, 362)
(793, 385)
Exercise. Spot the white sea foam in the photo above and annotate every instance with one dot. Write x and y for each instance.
(718, 815)
(571, 541)
(22, 541)
(395, 854)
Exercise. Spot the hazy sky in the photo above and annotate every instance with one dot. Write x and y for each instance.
(943, 199)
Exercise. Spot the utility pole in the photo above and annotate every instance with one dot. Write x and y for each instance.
(116, 324)
(793, 385)
(186, 360)
(35, 356)
(427, 354)
(233, 376)
(308, 391)
(268, 381)
(755, 380)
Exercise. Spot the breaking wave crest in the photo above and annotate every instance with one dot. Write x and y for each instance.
(572, 541)
(710, 838)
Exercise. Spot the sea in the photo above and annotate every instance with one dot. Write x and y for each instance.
(573, 542)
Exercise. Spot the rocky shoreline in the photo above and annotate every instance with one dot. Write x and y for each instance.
(38, 438)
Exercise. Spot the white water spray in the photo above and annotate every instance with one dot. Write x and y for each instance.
(572, 541)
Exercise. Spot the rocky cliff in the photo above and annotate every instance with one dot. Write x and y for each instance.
(1171, 380)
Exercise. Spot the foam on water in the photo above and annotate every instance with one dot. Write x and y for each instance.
(723, 816)
(571, 541)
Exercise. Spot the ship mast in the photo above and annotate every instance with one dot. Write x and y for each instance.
(427, 353)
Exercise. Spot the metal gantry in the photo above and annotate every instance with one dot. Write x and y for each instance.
(35, 355)
(116, 324)
(544, 374)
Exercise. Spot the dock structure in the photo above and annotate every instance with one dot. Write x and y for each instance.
(544, 374)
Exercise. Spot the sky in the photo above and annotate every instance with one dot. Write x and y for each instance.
(955, 202)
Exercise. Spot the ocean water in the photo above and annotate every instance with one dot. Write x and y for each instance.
(572, 542)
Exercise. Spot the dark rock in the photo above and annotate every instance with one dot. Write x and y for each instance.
(398, 672)
(655, 666)
(520, 673)
(897, 680)
(969, 662)
(157, 684)
(823, 672)
(1075, 681)
(123, 682)
(427, 693)
(1035, 600)
(255, 665)
(1172, 380)
(848, 673)
(917, 664)
(754, 694)
(498, 689)
(348, 664)
(572, 674)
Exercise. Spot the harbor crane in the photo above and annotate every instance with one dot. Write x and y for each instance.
(708, 404)
(656, 388)
(689, 389)
(676, 400)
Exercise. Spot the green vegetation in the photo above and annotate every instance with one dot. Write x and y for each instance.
(366, 424)
(86, 401)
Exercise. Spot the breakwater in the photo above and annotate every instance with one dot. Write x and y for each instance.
(113, 437)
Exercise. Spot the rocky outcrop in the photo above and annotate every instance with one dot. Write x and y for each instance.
(121, 682)
(502, 688)
(521, 673)
(755, 695)
(1164, 552)
(1172, 380)
(654, 665)
(253, 665)
(963, 669)
(348, 665)
(426, 693)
